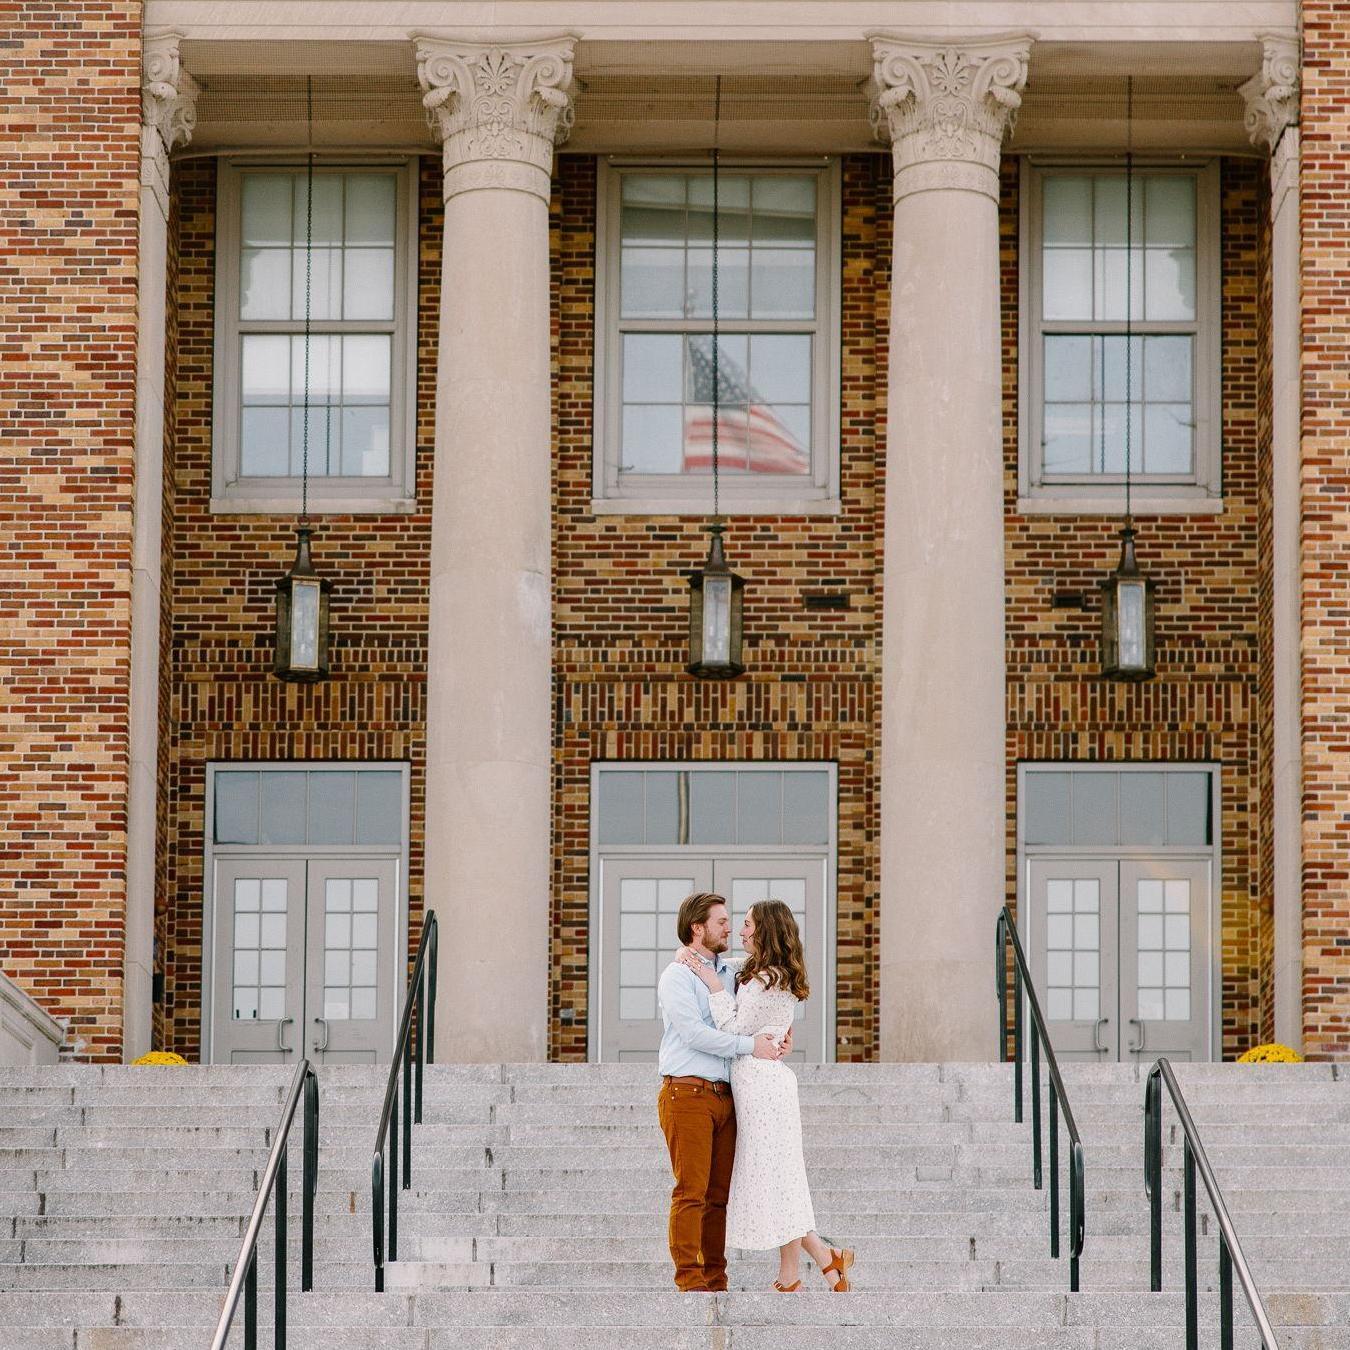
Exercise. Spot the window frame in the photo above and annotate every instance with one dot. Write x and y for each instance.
(1199, 492)
(677, 494)
(395, 492)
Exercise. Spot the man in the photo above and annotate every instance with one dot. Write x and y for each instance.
(694, 1106)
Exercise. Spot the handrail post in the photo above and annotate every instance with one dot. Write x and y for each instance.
(1225, 1296)
(1077, 1211)
(1036, 1107)
(417, 1037)
(1017, 1042)
(1153, 1175)
(432, 943)
(407, 1114)
(393, 1179)
(1054, 1174)
(279, 1292)
(1192, 1276)
(251, 1302)
(1001, 984)
(309, 1181)
(377, 1217)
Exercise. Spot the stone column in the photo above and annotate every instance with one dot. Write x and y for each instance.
(168, 101)
(498, 111)
(1272, 99)
(945, 110)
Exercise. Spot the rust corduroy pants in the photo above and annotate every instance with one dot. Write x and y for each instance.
(699, 1121)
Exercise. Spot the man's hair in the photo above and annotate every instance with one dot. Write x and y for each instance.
(695, 909)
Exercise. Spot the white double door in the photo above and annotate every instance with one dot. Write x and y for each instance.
(303, 960)
(1120, 952)
(639, 900)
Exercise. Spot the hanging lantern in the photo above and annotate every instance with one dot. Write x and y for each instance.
(1127, 617)
(715, 596)
(302, 618)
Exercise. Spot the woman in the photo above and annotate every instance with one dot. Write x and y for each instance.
(770, 1202)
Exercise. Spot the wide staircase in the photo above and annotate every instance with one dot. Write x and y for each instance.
(536, 1216)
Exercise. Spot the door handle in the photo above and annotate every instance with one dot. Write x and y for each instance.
(281, 1035)
(1097, 1034)
(1143, 1036)
(321, 1046)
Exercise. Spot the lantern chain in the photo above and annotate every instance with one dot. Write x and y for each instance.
(716, 320)
(309, 266)
(1129, 283)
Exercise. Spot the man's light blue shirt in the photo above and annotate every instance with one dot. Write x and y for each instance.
(691, 1044)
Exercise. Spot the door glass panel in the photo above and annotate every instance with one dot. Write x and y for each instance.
(620, 808)
(350, 947)
(283, 808)
(1094, 808)
(1073, 950)
(806, 808)
(759, 808)
(1141, 808)
(748, 891)
(1188, 813)
(259, 985)
(1047, 808)
(647, 938)
(712, 808)
(379, 808)
(1164, 966)
(236, 808)
(332, 807)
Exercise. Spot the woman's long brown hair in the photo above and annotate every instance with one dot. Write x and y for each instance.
(778, 950)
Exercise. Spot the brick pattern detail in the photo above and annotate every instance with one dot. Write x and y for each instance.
(1325, 485)
(621, 615)
(69, 202)
(225, 702)
(1203, 704)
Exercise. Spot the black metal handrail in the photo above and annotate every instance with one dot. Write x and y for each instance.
(1006, 936)
(274, 1182)
(415, 1045)
(1230, 1249)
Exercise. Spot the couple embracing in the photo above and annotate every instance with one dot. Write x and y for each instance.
(728, 1104)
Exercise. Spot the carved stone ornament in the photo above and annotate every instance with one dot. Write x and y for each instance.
(1272, 96)
(945, 109)
(168, 92)
(498, 111)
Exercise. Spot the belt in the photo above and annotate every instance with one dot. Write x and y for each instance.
(717, 1086)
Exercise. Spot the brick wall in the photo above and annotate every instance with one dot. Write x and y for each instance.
(69, 193)
(1203, 703)
(225, 702)
(1325, 217)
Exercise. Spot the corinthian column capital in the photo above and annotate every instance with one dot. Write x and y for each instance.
(1272, 95)
(497, 110)
(168, 110)
(946, 107)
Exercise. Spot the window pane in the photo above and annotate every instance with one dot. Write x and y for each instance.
(652, 283)
(1188, 808)
(324, 368)
(266, 212)
(283, 808)
(620, 808)
(1167, 368)
(1047, 808)
(806, 807)
(784, 210)
(1167, 438)
(1068, 369)
(712, 807)
(1068, 438)
(1066, 284)
(368, 284)
(266, 370)
(783, 284)
(324, 269)
(663, 808)
(379, 808)
(653, 208)
(365, 368)
(653, 367)
(370, 208)
(325, 221)
(365, 442)
(653, 439)
(759, 808)
(265, 283)
(1169, 284)
(332, 801)
(1169, 210)
(733, 208)
(733, 283)
(264, 445)
(1094, 808)
(1141, 809)
(780, 368)
(1067, 208)
(236, 808)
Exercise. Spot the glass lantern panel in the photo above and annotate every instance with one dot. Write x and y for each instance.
(1130, 624)
(304, 625)
(716, 620)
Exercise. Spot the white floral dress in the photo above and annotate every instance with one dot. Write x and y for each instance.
(770, 1201)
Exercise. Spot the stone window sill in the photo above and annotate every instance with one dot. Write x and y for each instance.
(318, 506)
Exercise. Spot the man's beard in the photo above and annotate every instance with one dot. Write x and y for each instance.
(716, 947)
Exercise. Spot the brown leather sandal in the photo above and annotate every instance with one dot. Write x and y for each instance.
(787, 1288)
(841, 1260)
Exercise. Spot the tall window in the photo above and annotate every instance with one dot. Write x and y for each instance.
(1076, 394)
(776, 359)
(359, 286)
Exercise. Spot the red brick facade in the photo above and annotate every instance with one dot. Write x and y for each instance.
(1325, 474)
(69, 198)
